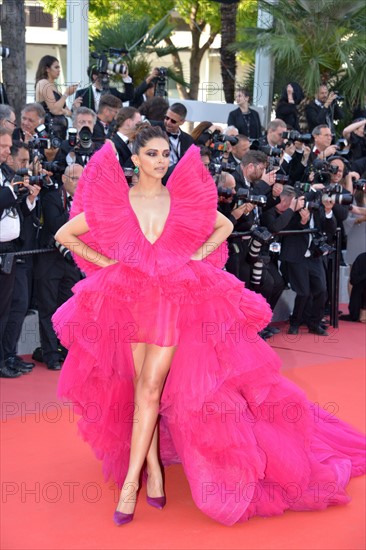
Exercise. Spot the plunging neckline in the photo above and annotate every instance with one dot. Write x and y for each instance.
(138, 221)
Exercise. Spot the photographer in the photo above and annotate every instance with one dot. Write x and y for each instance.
(301, 255)
(146, 90)
(17, 200)
(251, 178)
(90, 96)
(19, 160)
(109, 106)
(32, 116)
(324, 109)
(79, 148)
(56, 272)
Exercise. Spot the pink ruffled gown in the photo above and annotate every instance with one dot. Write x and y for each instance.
(246, 437)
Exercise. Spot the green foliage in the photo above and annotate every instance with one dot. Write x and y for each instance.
(314, 41)
(203, 12)
(140, 38)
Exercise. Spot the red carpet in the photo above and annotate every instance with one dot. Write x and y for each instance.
(54, 495)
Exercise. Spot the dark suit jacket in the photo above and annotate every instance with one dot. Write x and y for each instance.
(316, 115)
(7, 200)
(185, 140)
(293, 247)
(236, 119)
(88, 97)
(124, 153)
(138, 97)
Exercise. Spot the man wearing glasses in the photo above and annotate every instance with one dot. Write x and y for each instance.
(32, 116)
(179, 141)
(7, 117)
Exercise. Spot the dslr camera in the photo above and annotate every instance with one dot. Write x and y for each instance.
(294, 135)
(160, 82)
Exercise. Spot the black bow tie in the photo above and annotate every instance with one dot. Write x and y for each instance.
(173, 135)
(98, 91)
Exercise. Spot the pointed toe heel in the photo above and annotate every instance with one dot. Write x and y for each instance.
(156, 502)
(120, 518)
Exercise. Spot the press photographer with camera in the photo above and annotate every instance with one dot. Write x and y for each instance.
(79, 147)
(55, 273)
(324, 109)
(19, 162)
(31, 116)
(302, 255)
(146, 90)
(252, 193)
(100, 80)
(105, 125)
(17, 200)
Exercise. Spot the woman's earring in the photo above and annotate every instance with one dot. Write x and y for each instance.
(136, 169)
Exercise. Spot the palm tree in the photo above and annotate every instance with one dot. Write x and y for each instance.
(315, 42)
(228, 56)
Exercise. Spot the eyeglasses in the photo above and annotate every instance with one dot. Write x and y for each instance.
(171, 119)
(11, 122)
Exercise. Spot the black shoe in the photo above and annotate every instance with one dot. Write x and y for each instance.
(37, 355)
(5, 372)
(17, 365)
(293, 330)
(318, 330)
(273, 330)
(54, 365)
(26, 363)
(265, 334)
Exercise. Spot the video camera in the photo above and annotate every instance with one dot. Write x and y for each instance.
(105, 66)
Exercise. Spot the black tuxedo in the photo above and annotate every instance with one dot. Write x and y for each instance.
(184, 142)
(306, 274)
(253, 129)
(315, 115)
(88, 96)
(54, 275)
(124, 153)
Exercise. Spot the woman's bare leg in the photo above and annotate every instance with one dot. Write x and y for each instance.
(148, 388)
(155, 485)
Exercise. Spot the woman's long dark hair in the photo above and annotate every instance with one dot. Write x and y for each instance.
(298, 93)
(44, 64)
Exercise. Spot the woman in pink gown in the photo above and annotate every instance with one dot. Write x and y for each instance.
(164, 352)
